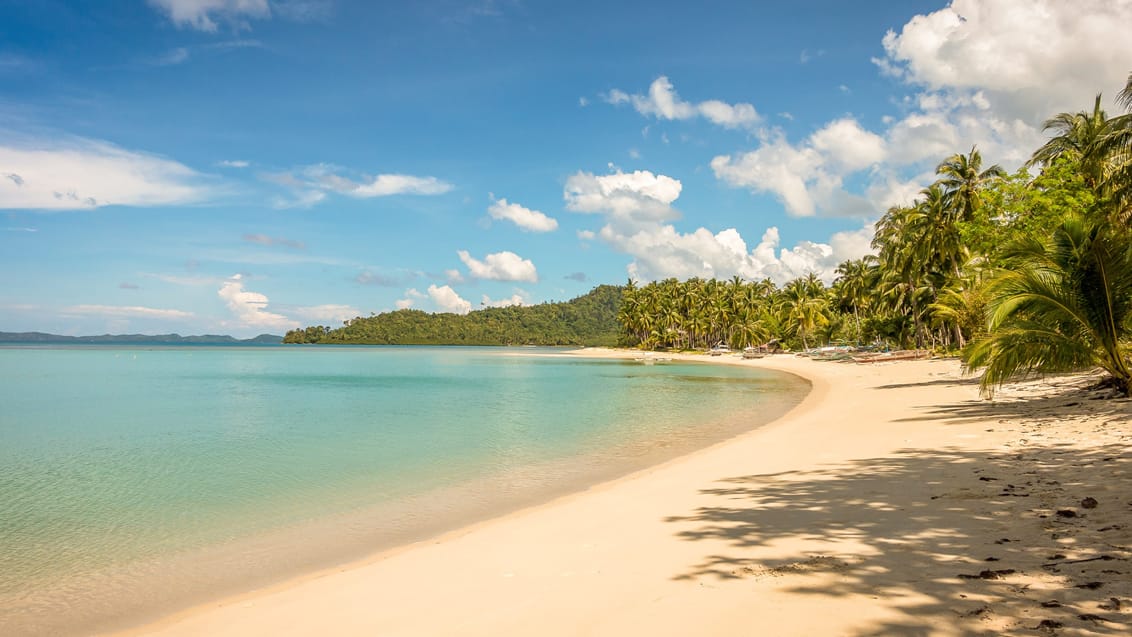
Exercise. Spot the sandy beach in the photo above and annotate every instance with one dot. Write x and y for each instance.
(893, 500)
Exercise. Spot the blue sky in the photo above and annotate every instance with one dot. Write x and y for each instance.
(248, 166)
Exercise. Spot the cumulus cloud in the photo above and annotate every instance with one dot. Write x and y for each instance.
(203, 15)
(978, 73)
(249, 309)
(527, 219)
(265, 240)
(234, 163)
(660, 250)
(447, 300)
(663, 252)
(663, 102)
(639, 196)
(808, 178)
(500, 266)
(1030, 58)
(127, 311)
(412, 295)
(72, 173)
(519, 298)
(311, 184)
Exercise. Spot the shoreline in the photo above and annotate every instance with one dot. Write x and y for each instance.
(170, 584)
(833, 506)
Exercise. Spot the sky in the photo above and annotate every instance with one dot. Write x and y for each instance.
(252, 166)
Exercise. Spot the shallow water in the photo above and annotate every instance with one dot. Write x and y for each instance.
(137, 480)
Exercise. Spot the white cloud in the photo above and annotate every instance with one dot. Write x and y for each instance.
(989, 73)
(128, 311)
(73, 173)
(249, 308)
(412, 295)
(515, 299)
(1032, 58)
(312, 183)
(447, 300)
(849, 146)
(203, 14)
(332, 314)
(234, 163)
(979, 73)
(634, 197)
(385, 185)
(660, 250)
(500, 266)
(662, 102)
(525, 218)
(587, 235)
(808, 178)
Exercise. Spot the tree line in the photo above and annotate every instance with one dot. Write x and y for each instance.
(1022, 273)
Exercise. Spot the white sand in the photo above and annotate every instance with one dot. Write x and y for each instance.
(855, 514)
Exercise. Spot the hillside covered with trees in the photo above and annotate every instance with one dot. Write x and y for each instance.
(1020, 273)
(586, 320)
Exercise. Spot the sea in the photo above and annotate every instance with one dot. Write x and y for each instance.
(137, 481)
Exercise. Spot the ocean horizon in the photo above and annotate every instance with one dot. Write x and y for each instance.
(138, 480)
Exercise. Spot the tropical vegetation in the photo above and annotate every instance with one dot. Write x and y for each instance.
(1019, 273)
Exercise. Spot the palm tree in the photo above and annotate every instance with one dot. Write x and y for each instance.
(1079, 136)
(1118, 148)
(854, 286)
(1065, 305)
(804, 306)
(963, 182)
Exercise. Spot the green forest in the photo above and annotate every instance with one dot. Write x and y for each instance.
(587, 320)
(1019, 273)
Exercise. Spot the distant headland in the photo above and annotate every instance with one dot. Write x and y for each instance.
(148, 339)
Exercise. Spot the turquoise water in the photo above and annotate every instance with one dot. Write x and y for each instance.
(136, 480)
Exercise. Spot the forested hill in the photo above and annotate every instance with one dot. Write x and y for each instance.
(586, 320)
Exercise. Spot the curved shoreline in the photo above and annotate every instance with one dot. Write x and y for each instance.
(122, 599)
(850, 514)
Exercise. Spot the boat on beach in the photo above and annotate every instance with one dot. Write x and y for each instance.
(898, 355)
(720, 350)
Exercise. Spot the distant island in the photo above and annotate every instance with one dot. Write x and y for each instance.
(587, 320)
(148, 339)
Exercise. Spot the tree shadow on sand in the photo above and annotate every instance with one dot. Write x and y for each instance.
(950, 535)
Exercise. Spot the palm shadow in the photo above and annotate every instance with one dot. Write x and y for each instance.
(934, 526)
